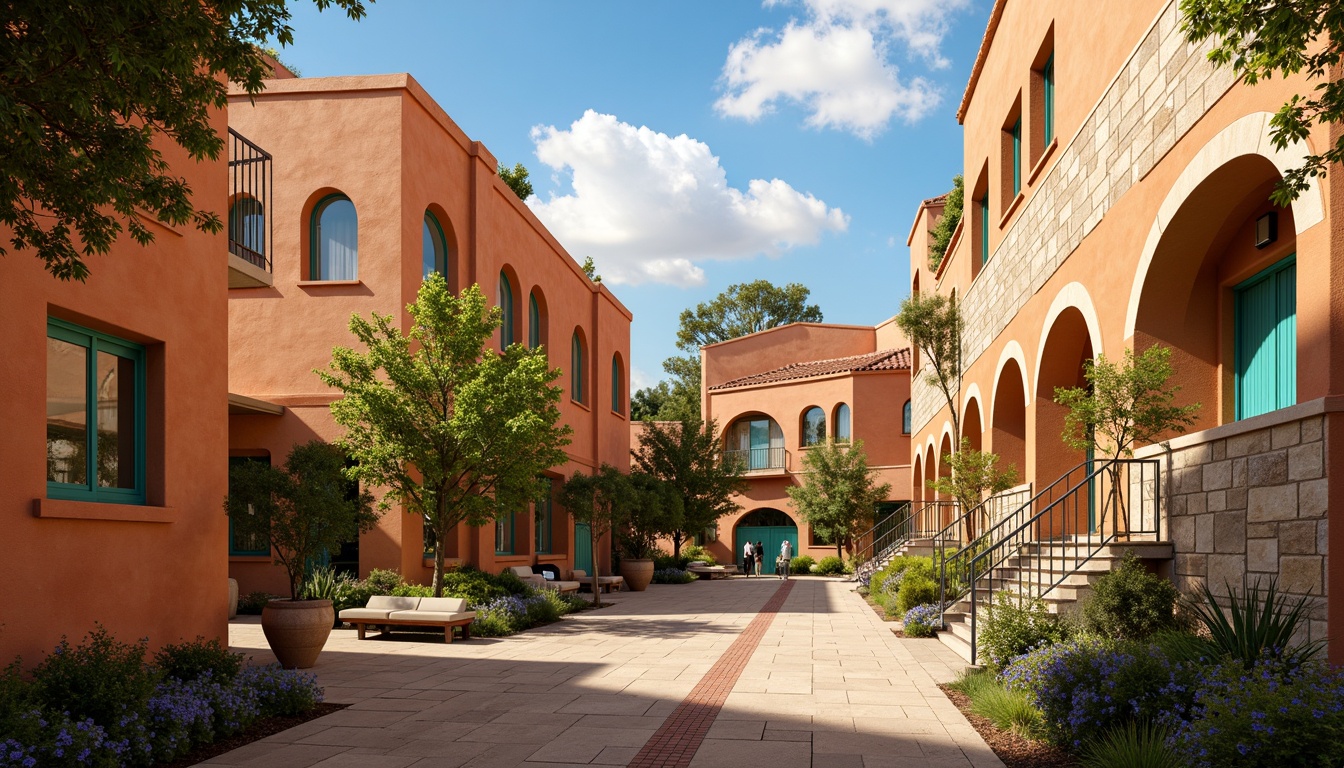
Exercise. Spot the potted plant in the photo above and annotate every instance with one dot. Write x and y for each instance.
(654, 510)
(305, 509)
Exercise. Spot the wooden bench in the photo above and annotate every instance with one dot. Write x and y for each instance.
(386, 612)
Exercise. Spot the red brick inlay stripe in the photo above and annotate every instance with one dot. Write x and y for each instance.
(677, 740)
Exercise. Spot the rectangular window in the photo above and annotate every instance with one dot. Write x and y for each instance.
(427, 536)
(1017, 157)
(504, 530)
(1266, 340)
(1048, 76)
(95, 416)
(983, 203)
(241, 544)
(545, 516)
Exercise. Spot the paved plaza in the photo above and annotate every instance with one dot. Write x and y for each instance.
(735, 673)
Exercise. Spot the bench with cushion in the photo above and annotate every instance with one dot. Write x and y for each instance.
(385, 612)
(539, 581)
(604, 583)
(704, 570)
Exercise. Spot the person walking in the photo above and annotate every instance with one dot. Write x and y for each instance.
(785, 558)
(760, 556)
(748, 558)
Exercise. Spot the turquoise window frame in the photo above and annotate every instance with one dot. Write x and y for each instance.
(1017, 157)
(576, 372)
(906, 418)
(506, 529)
(616, 382)
(1284, 341)
(506, 328)
(315, 246)
(545, 518)
(533, 322)
(237, 551)
(1048, 76)
(442, 264)
(983, 203)
(95, 342)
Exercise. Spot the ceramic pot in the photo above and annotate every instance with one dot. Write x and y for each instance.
(637, 573)
(297, 630)
(233, 598)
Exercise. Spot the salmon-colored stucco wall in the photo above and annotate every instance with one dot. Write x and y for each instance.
(156, 570)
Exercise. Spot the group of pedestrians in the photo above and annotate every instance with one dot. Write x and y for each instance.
(753, 554)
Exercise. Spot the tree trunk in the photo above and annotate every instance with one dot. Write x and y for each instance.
(676, 544)
(597, 593)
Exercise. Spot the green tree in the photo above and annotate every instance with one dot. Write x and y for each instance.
(454, 431)
(941, 236)
(646, 403)
(656, 510)
(304, 510)
(602, 500)
(516, 179)
(975, 475)
(688, 456)
(932, 322)
(1281, 37)
(86, 91)
(589, 268)
(838, 493)
(1123, 404)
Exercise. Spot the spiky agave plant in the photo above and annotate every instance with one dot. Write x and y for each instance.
(1135, 744)
(1255, 625)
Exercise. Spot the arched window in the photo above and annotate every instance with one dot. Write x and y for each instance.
(757, 442)
(433, 248)
(534, 329)
(905, 419)
(617, 385)
(576, 369)
(247, 230)
(842, 423)
(335, 240)
(506, 336)
(814, 426)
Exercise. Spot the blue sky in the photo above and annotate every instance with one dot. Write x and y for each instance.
(689, 146)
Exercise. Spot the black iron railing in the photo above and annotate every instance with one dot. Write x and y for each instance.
(249, 201)
(1035, 548)
(918, 520)
(758, 459)
(966, 535)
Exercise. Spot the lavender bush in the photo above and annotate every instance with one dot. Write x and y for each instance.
(673, 576)
(923, 620)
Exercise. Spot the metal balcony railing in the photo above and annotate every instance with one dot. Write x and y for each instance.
(249, 201)
(758, 459)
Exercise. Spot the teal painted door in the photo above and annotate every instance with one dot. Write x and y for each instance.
(583, 548)
(1266, 341)
(771, 538)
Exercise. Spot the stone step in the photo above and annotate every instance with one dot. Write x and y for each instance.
(957, 643)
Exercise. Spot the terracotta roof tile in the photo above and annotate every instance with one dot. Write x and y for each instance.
(883, 360)
(939, 199)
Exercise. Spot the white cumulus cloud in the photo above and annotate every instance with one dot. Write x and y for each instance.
(836, 64)
(648, 207)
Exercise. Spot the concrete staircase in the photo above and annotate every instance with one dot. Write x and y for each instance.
(1044, 563)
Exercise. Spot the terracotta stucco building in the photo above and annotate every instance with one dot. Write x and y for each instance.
(1117, 197)
(374, 186)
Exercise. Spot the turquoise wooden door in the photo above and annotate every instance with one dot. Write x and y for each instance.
(1266, 341)
(771, 538)
(583, 548)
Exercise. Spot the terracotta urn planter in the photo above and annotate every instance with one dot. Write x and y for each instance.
(297, 630)
(637, 573)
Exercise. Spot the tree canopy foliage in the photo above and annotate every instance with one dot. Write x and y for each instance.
(838, 494)
(688, 456)
(941, 236)
(517, 179)
(975, 475)
(88, 89)
(453, 430)
(602, 501)
(932, 322)
(1281, 37)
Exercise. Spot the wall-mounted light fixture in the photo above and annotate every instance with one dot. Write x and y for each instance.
(1266, 229)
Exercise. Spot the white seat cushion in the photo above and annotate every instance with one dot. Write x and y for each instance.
(442, 604)
(390, 603)
(431, 616)
(352, 614)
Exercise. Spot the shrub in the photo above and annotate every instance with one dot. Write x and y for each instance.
(1009, 710)
(802, 564)
(325, 584)
(544, 607)
(418, 590)
(914, 591)
(1129, 603)
(383, 580)
(923, 621)
(252, 603)
(973, 679)
(830, 565)
(498, 617)
(101, 679)
(1255, 625)
(899, 568)
(1278, 713)
(1015, 625)
(574, 603)
(673, 576)
(1132, 745)
(189, 661)
(692, 552)
(664, 562)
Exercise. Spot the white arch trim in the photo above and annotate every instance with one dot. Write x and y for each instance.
(1011, 351)
(1072, 295)
(946, 434)
(1248, 135)
(973, 393)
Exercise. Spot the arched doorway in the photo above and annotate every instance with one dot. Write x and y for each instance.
(1008, 419)
(771, 527)
(1067, 347)
(971, 428)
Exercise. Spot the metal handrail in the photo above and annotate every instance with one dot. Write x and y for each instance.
(961, 530)
(1112, 482)
(250, 222)
(758, 459)
(896, 532)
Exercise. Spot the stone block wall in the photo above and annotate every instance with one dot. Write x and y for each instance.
(1250, 504)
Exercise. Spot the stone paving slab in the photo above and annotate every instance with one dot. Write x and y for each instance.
(825, 685)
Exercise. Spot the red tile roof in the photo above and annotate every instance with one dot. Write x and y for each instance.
(934, 200)
(883, 360)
